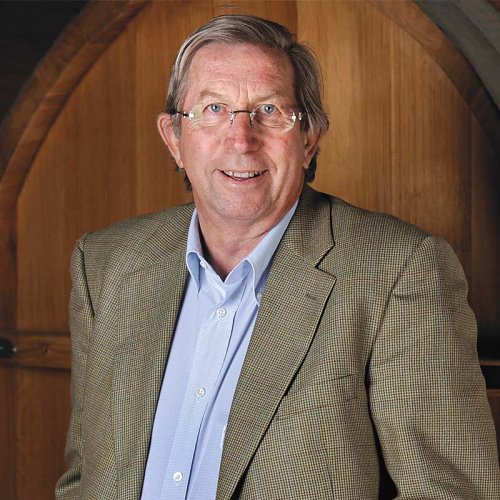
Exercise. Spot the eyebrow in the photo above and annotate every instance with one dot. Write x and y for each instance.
(215, 95)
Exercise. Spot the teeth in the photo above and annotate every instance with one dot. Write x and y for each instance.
(242, 175)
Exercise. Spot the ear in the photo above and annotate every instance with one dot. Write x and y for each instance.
(166, 129)
(311, 141)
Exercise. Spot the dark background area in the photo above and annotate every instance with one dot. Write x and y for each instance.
(27, 31)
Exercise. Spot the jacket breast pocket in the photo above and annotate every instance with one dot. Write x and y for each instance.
(320, 394)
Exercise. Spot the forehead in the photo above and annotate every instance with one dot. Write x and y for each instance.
(240, 68)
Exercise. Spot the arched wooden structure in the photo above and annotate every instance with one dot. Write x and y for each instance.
(413, 133)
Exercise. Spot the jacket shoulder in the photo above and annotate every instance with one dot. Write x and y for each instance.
(131, 244)
(137, 229)
(370, 243)
(353, 222)
(131, 234)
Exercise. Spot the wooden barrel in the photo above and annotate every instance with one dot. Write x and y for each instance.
(413, 132)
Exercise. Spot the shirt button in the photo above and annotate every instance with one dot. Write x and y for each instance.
(203, 264)
(201, 392)
(221, 312)
(259, 296)
(177, 476)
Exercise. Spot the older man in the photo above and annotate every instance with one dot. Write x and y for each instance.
(269, 342)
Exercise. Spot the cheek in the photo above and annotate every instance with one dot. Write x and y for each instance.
(292, 153)
(286, 148)
(194, 146)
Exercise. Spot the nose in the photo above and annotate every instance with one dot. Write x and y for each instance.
(242, 135)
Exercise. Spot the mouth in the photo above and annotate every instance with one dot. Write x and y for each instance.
(241, 176)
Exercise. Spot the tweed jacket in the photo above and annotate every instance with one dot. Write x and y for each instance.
(362, 360)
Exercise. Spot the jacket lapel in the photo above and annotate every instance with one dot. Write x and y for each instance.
(150, 300)
(295, 296)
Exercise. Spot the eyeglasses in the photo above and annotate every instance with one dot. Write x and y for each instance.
(216, 114)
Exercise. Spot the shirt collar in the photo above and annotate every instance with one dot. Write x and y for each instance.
(259, 258)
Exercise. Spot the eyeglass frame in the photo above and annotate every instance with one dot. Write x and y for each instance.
(233, 112)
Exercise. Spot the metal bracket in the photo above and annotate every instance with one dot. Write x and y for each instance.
(7, 348)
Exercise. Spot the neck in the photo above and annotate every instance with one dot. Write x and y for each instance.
(224, 247)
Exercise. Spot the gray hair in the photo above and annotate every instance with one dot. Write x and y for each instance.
(237, 28)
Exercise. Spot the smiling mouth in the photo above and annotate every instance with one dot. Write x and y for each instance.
(242, 175)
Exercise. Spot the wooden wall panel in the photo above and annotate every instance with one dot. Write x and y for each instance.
(431, 147)
(399, 140)
(38, 103)
(355, 58)
(7, 270)
(7, 437)
(281, 11)
(82, 178)
(157, 186)
(485, 237)
(42, 413)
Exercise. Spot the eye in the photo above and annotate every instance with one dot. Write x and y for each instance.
(215, 107)
(268, 109)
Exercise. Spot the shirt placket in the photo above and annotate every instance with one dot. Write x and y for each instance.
(213, 339)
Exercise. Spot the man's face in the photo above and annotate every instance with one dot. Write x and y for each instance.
(241, 173)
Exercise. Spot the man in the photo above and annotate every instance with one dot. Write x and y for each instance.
(274, 342)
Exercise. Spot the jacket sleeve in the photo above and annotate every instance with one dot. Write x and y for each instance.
(427, 393)
(81, 320)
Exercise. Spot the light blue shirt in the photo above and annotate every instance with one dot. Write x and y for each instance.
(215, 324)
